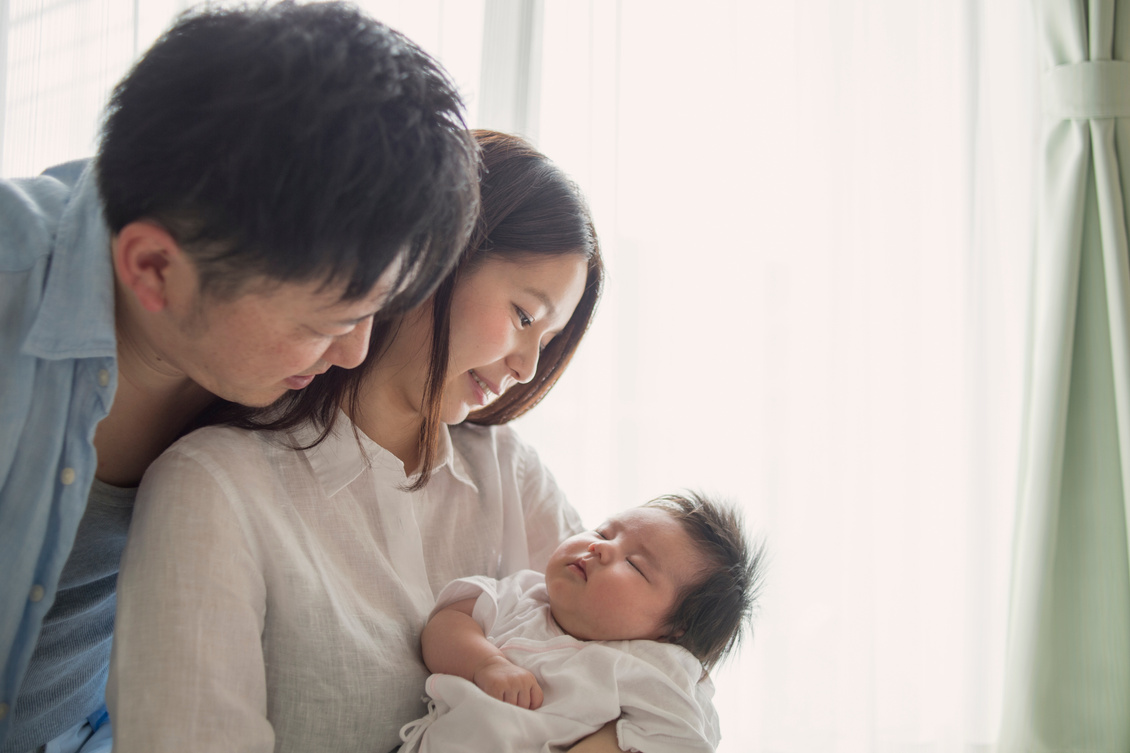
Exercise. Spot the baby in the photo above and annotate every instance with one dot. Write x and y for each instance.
(624, 624)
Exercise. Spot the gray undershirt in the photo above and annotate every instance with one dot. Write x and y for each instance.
(66, 679)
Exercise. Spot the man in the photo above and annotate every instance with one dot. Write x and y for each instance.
(267, 181)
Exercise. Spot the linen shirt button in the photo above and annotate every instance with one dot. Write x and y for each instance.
(67, 476)
(3, 711)
(103, 377)
(36, 593)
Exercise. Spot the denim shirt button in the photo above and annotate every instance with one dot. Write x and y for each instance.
(36, 593)
(103, 377)
(67, 476)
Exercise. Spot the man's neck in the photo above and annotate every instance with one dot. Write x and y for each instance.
(153, 404)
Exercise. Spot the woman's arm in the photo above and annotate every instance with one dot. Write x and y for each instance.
(601, 741)
(187, 671)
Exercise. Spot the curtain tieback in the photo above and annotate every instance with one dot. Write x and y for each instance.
(1095, 89)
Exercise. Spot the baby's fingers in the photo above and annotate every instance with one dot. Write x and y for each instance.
(517, 697)
(535, 697)
(527, 697)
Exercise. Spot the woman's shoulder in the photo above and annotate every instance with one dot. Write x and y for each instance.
(500, 435)
(219, 440)
(225, 469)
(502, 443)
(229, 448)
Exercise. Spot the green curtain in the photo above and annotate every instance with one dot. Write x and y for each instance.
(1067, 673)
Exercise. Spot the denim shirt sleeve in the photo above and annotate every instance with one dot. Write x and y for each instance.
(57, 379)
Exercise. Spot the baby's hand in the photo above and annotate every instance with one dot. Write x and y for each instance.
(506, 681)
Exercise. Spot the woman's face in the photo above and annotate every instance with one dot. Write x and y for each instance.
(502, 315)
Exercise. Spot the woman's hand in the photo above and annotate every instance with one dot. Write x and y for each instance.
(501, 679)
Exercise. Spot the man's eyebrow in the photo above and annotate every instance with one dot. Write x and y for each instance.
(349, 321)
(356, 320)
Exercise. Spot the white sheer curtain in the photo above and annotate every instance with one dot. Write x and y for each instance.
(816, 216)
(61, 59)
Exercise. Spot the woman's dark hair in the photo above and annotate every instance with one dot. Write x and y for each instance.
(713, 610)
(293, 143)
(528, 208)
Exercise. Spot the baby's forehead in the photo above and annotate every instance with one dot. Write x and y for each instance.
(641, 518)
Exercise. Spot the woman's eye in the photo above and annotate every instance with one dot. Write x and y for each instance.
(523, 318)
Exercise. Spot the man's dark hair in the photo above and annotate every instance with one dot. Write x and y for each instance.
(714, 610)
(300, 143)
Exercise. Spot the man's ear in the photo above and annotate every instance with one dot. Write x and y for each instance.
(145, 255)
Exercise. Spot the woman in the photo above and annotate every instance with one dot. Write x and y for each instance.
(276, 581)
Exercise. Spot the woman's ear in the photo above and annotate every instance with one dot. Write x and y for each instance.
(144, 255)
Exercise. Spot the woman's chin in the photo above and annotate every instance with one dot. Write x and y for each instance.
(456, 415)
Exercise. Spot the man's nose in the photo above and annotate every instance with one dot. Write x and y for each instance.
(349, 350)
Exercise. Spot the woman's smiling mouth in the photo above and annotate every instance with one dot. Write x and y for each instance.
(489, 393)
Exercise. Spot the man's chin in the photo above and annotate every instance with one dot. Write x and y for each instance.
(260, 399)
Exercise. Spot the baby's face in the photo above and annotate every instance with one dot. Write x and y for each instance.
(620, 581)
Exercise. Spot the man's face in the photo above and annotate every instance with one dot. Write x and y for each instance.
(271, 338)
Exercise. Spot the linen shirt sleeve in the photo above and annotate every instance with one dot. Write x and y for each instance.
(187, 672)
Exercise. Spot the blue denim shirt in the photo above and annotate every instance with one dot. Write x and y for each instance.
(58, 374)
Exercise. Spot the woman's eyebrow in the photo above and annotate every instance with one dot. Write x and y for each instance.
(544, 298)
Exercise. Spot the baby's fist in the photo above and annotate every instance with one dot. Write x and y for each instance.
(500, 678)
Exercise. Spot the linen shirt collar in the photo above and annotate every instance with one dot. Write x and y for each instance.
(76, 315)
(339, 459)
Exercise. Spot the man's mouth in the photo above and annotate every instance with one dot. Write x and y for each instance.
(299, 381)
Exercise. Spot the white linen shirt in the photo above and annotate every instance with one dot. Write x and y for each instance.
(656, 690)
(272, 599)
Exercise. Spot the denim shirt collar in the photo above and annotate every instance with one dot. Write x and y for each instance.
(76, 315)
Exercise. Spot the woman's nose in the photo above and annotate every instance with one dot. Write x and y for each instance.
(524, 362)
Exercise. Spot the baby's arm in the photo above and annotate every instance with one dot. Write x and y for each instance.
(454, 644)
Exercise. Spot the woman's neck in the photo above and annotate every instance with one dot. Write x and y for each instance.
(387, 416)
(388, 406)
